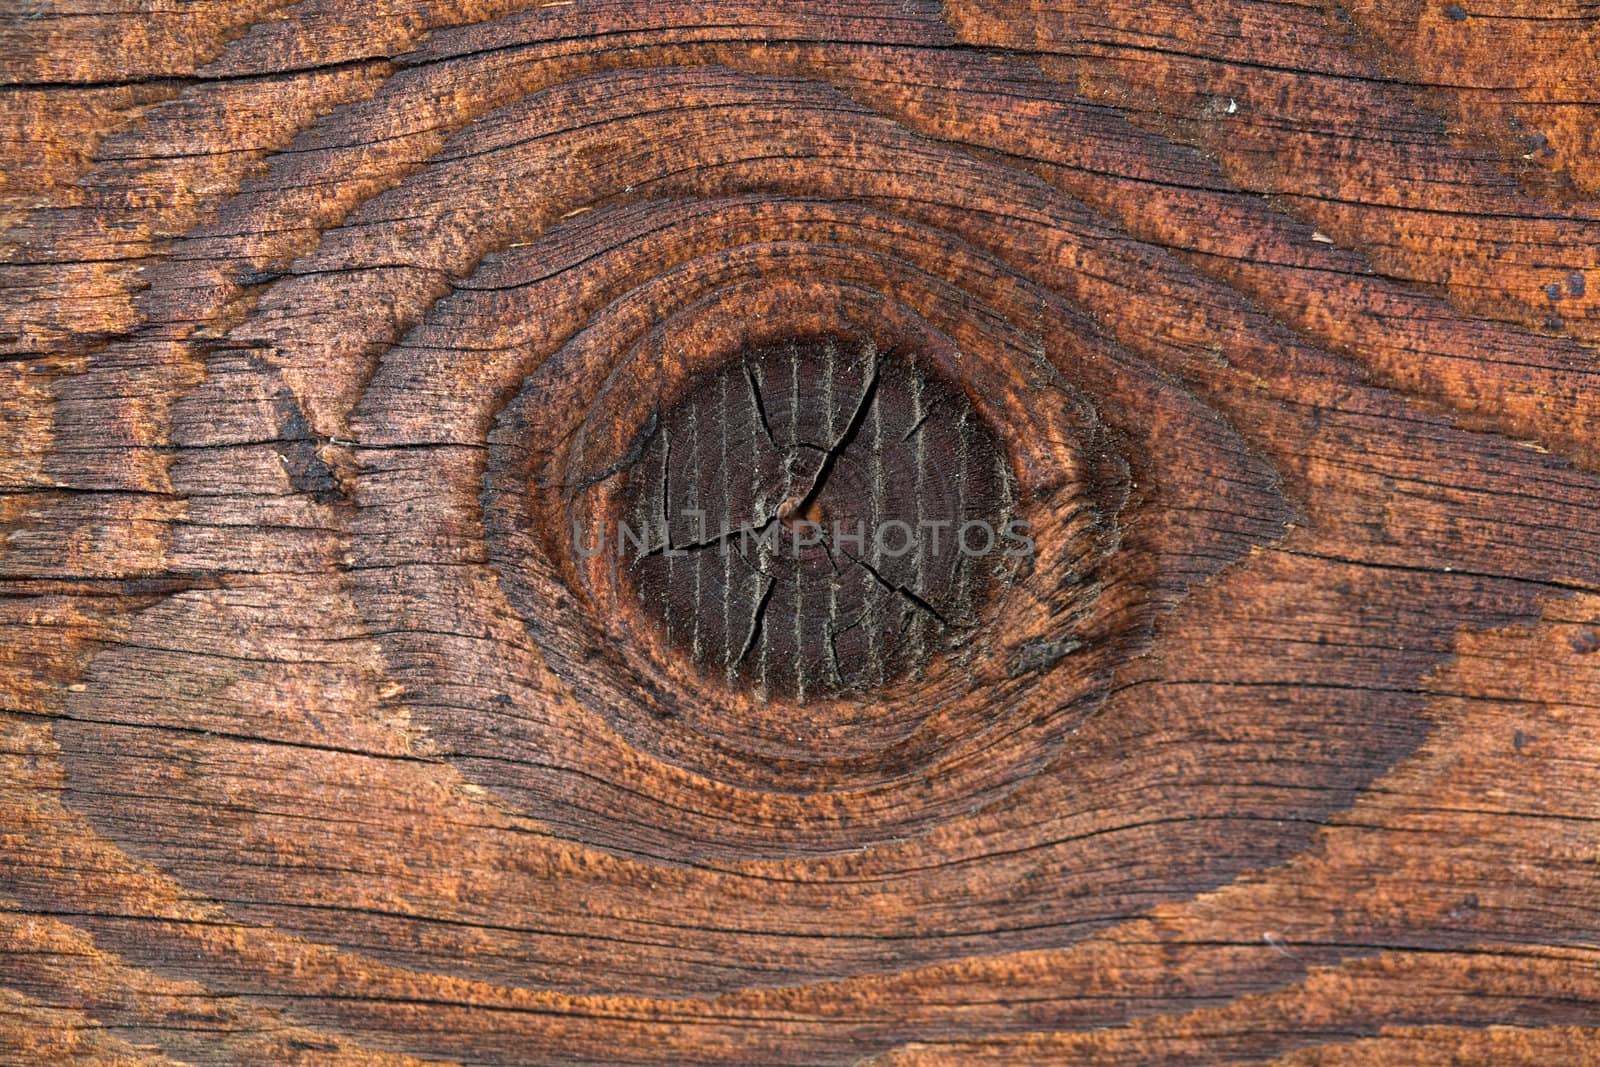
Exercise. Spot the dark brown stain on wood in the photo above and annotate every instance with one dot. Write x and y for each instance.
(815, 518)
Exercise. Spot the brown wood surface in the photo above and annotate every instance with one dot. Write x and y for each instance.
(320, 322)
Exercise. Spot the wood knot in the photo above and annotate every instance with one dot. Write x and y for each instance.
(817, 517)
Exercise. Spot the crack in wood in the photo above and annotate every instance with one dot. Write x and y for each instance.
(886, 492)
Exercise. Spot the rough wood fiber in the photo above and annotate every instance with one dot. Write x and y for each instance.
(321, 324)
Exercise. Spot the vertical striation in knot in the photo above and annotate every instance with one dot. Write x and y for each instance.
(817, 517)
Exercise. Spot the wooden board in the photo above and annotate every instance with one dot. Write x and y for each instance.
(327, 330)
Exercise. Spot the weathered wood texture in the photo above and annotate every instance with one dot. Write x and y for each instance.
(322, 321)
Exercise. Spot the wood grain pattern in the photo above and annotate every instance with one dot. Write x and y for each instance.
(322, 324)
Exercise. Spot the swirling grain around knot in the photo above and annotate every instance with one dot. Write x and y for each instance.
(328, 743)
